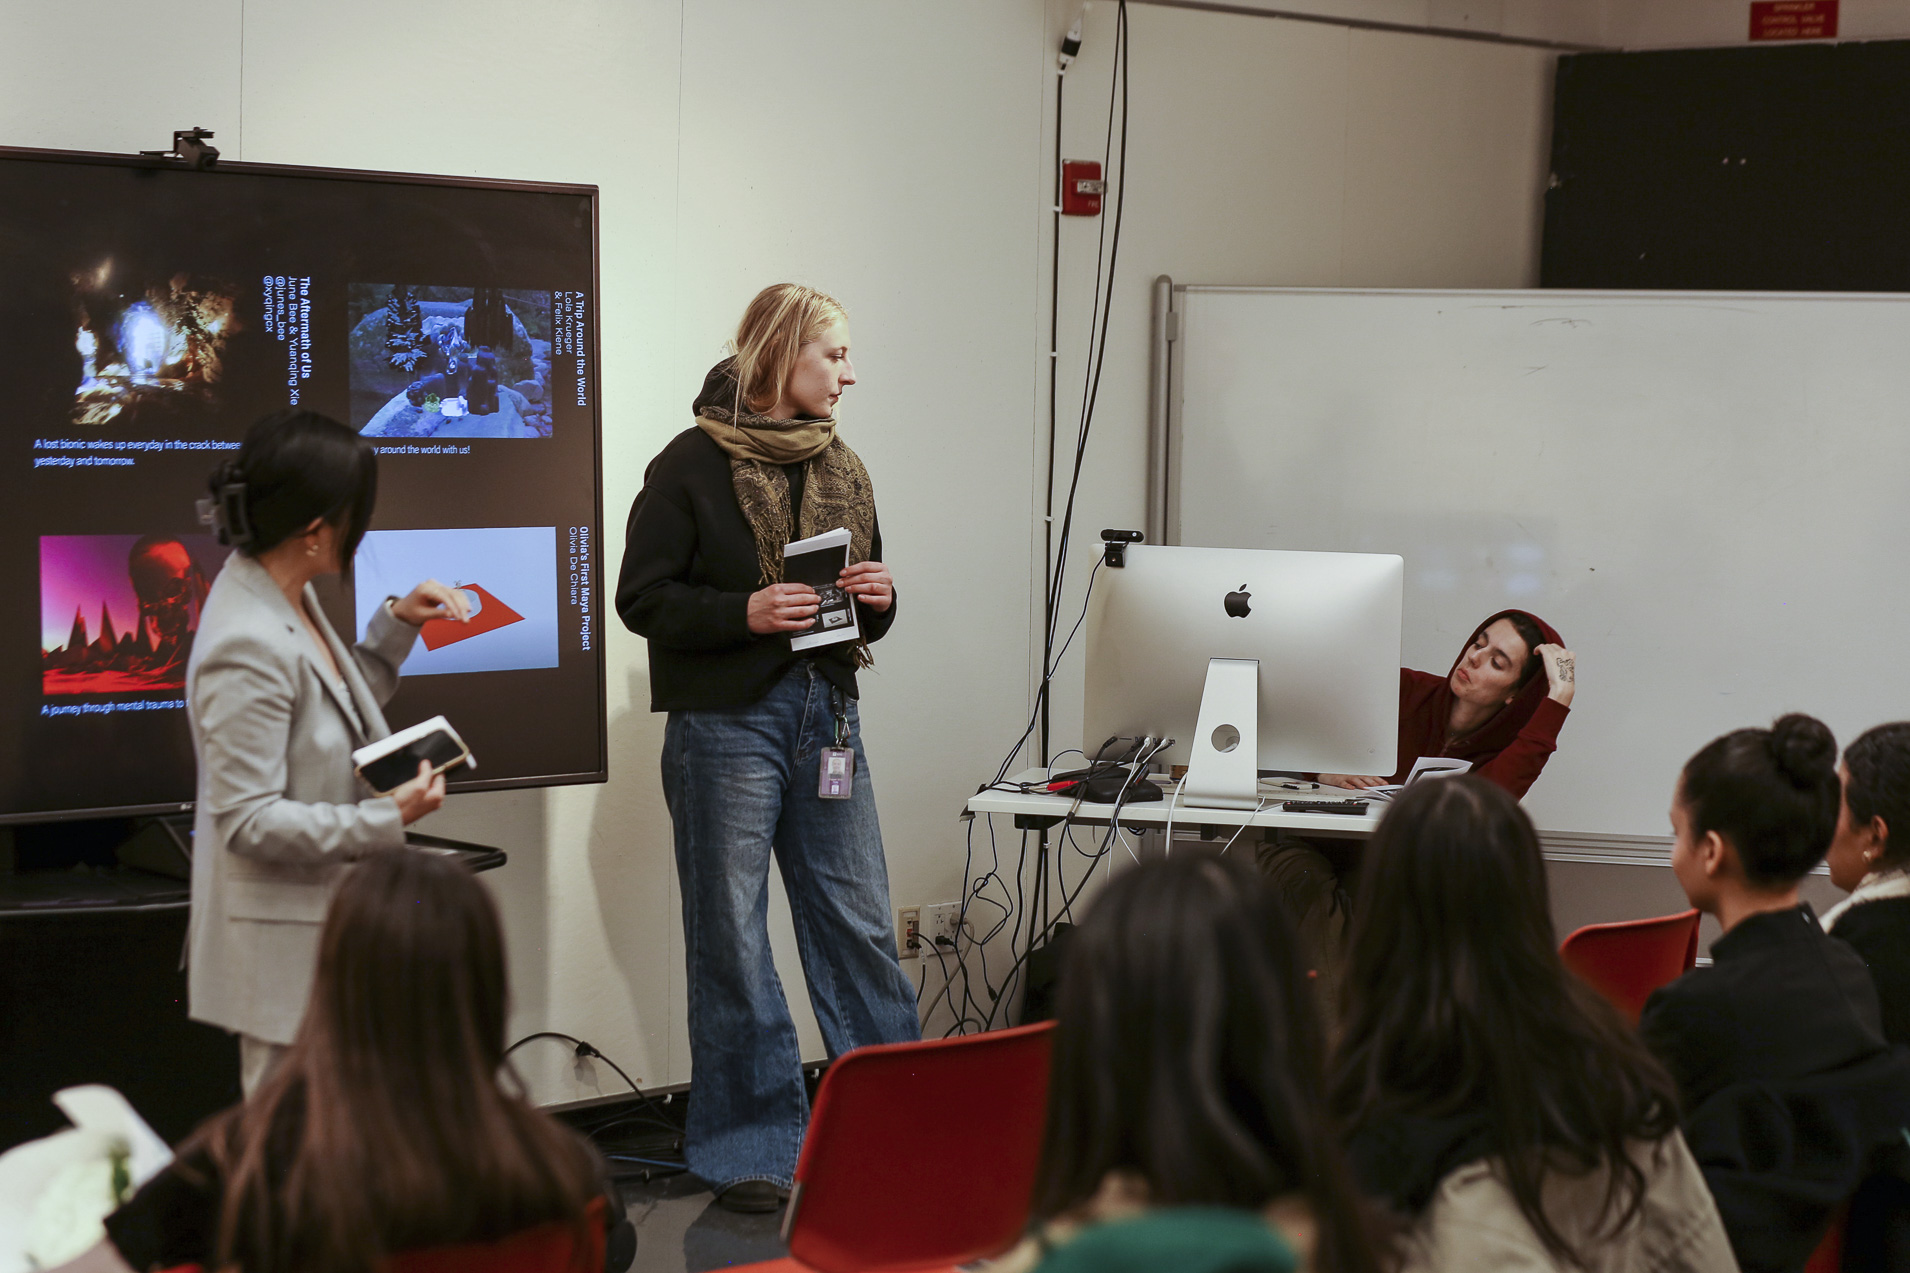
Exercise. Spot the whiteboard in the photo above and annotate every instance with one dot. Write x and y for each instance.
(1708, 494)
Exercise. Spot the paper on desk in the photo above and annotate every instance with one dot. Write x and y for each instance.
(1424, 767)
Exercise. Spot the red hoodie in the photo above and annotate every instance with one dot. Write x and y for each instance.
(1510, 749)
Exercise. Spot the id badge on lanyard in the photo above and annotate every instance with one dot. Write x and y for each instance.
(836, 780)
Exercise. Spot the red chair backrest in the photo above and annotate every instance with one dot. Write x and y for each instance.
(1829, 1255)
(921, 1154)
(1625, 962)
(549, 1248)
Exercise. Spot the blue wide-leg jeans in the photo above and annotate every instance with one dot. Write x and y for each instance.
(741, 784)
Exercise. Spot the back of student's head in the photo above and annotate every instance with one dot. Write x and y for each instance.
(1772, 794)
(1879, 787)
(1189, 1055)
(1458, 1005)
(386, 1127)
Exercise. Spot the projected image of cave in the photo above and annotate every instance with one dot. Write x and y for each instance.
(450, 362)
(149, 347)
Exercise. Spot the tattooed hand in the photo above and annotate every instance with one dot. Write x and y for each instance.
(1559, 672)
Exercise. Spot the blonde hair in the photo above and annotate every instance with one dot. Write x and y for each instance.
(778, 323)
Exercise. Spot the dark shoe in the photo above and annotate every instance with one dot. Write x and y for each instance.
(751, 1197)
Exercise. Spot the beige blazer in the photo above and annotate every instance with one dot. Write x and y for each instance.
(279, 809)
(1473, 1225)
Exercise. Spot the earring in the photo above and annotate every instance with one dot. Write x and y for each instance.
(311, 550)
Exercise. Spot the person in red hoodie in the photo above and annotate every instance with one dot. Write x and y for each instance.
(1494, 708)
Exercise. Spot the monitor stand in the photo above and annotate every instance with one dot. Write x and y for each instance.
(1222, 764)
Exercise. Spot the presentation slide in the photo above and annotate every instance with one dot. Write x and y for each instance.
(154, 312)
(509, 577)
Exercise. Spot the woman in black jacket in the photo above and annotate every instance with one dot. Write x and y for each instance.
(759, 730)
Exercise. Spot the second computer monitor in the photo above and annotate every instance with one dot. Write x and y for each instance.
(1324, 628)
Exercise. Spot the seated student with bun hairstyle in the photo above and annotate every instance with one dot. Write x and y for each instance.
(1791, 1095)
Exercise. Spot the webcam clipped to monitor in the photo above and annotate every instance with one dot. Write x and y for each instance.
(1251, 659)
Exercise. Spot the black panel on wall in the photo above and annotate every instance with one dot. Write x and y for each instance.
(1765, 169)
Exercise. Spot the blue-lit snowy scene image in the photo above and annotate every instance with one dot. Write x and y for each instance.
(449, 362)
(149, 346)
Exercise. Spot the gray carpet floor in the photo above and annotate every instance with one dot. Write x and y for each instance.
(680, 1229)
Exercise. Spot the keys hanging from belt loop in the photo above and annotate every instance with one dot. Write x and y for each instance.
(836, 781)
(840, 704)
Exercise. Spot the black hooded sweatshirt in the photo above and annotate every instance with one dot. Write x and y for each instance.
(689, 567)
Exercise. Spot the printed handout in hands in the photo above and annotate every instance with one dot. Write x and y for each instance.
(819, 562)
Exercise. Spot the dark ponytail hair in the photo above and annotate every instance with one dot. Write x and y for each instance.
(1773, 793)
(295, 467)
(1188, 1051)
(1458, 1005)
(1879, 786)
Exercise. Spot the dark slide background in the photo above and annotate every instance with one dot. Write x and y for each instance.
(240, 224)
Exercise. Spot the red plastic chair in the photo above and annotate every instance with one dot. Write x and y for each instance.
(1625, 962)
(919, 1155)
(549, 1248)
(1829, 1255)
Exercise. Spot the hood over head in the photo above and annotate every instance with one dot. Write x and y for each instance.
(1496, 733)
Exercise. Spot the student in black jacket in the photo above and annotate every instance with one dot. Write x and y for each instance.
(1791, 1095)
(757, 729)
(1871, 864)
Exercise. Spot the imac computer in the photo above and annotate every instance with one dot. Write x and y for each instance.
(1250, 659)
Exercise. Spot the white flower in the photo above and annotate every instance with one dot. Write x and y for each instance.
(68, 1220)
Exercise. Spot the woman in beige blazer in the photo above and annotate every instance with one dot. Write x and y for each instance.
(278, 703)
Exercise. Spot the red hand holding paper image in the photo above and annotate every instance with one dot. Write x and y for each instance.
(487, 615)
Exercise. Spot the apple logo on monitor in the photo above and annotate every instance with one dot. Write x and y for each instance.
(1236, 603)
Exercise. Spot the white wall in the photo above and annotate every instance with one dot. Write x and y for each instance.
(1274, 152)
(893, 152)
(886, 152)
(1573, 22)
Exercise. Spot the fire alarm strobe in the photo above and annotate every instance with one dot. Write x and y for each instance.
(1081, 188)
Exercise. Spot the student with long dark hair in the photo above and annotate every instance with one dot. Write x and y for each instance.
(1488, 1095)
(1186, 1123)
(278, 704)
(393, 1123)
(1791, 1094)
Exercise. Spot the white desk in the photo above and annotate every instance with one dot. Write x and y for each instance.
(1033, 812)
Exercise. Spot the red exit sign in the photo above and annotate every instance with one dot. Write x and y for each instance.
(1794, 19)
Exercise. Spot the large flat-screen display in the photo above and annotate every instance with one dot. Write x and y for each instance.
(150, 312)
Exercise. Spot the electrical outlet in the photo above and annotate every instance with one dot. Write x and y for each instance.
(908, 931)
(941, 923)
